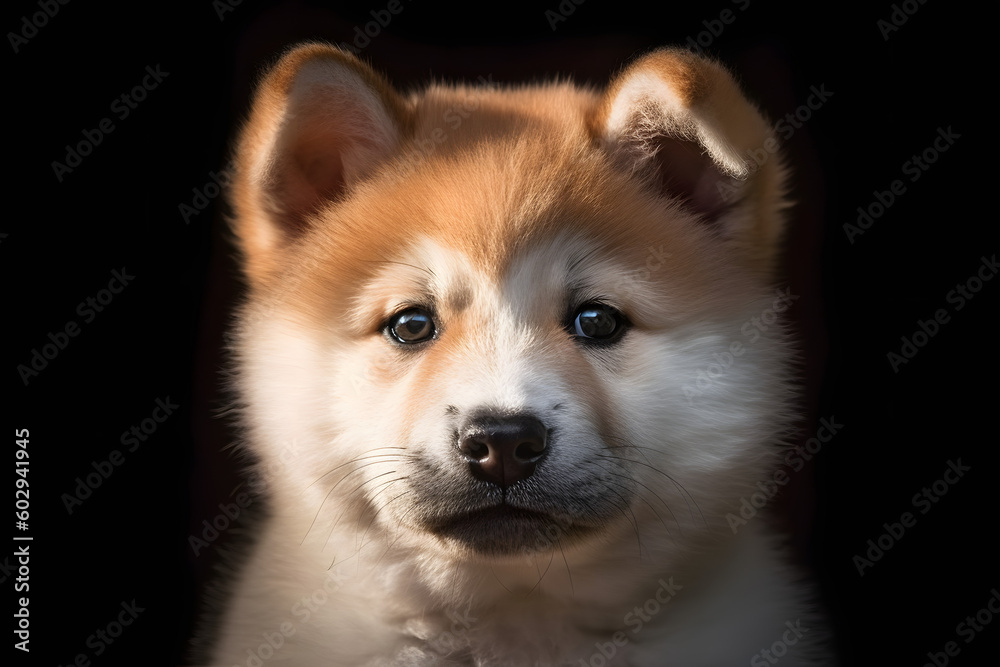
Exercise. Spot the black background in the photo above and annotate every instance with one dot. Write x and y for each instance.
(160, 336)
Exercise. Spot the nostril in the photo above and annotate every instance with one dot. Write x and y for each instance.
(475, 449)
(530, 450)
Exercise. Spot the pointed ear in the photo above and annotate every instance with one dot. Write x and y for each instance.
(320, 121)
(682, 121)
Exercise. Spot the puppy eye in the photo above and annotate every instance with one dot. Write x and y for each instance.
(411, 326)
(598, 321)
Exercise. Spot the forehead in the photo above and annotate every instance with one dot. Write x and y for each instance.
(490, 202)
(523, 212)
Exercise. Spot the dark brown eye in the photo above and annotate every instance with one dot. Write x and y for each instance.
(412, 326)
(598, 322)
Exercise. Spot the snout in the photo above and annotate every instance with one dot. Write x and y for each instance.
(511, 486)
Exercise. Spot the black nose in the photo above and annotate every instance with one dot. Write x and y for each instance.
(502, 450)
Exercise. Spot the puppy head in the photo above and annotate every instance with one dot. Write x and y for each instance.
(492, 322)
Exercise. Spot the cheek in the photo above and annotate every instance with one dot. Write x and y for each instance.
(385, 396)
(369, 383)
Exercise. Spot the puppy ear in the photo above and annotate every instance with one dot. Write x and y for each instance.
(320, 121)
(682, 121)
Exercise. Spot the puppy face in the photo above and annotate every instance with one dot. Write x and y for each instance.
(481, 341)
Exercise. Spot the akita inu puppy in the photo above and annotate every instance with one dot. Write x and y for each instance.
(472, 367)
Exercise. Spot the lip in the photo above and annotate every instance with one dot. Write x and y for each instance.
(503, 530)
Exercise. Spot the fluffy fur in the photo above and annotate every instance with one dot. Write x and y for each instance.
(499, 216)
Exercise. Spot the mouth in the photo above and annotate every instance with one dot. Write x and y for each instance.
(503, 530)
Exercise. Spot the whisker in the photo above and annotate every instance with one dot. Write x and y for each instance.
(327, 497)
(634, 521)
(653, 509)
(494, 573)
(454, 582)
(622, 442)
(377, 509)
(367, 455)
(351, 494)
(656, 495)
(569, 574)
(541, 575)
(390, 545)
(685, 494)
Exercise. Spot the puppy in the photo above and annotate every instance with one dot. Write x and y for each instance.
(473, 367)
